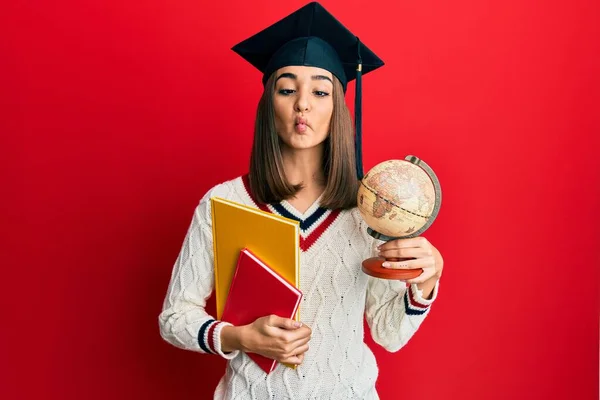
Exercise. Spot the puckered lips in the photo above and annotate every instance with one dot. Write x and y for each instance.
(301, 124)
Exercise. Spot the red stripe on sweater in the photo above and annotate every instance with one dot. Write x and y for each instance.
(209, 337)
(306, 243)
(414, 302)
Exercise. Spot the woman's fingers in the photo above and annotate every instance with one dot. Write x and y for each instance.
(301, 342)
(410, 252)
(289, 337)
(413, 253)
(410, 264)
(427, 273)
(296, 356)
(301, 349)
(282, 323)
(296, 347)
(295, 359)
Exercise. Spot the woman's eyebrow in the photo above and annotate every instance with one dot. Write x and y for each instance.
(295, 77)
(287, 75)
(321, 78)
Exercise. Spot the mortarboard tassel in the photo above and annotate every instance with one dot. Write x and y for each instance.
(358, 115)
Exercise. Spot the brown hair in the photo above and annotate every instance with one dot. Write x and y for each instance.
(267, 178)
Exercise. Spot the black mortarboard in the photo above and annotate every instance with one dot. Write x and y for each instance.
(311, 36)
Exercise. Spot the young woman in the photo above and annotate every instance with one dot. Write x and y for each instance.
(303, 167)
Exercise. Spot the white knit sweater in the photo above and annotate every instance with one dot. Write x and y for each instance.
(337, 296)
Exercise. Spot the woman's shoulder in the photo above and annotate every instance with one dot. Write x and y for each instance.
(236, 189)
(228, 190)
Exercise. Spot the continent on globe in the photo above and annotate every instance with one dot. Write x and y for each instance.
(381, 207)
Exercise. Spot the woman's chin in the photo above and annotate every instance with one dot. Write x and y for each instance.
(304, 143)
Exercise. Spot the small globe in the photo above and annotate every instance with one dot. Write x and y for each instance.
(397, 198)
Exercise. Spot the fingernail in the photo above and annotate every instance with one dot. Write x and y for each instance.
(297, 324)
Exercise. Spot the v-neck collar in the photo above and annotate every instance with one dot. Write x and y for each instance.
(313, 222)
(287, 206)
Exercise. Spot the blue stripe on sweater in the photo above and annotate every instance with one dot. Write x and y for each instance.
(411, 311)
(203, 328)
(307, 223)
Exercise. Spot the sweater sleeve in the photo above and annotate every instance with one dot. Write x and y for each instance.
(394, 311)
(184, 321)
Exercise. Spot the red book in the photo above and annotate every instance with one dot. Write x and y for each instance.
(257, 291)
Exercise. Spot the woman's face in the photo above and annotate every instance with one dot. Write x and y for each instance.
(303, 102)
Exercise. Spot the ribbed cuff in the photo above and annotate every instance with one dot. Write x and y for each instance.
(414, 302)
(209, 338)
(217, 342)
(418, 294)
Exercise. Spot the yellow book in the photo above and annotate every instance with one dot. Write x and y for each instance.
(272, 238)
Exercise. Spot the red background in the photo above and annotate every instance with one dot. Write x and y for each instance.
(117, 117)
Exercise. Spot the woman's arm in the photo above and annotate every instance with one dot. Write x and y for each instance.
(184, 321)
(396, 309)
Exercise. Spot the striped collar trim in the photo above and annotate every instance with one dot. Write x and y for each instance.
(313, 223)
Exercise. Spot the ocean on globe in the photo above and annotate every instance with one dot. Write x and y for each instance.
(396, 198)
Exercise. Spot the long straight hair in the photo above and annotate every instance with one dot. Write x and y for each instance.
(267, 177)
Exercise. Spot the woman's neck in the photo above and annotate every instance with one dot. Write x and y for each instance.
(305, 167)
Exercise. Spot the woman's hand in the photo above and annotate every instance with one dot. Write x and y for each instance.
(280, 339)
(420, 254)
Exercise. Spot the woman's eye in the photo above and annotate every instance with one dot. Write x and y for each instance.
(286, 92)
(320, 93)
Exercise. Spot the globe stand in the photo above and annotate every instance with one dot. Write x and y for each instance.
(373, 266)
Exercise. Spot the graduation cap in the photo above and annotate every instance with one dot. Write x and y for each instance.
(311, 36)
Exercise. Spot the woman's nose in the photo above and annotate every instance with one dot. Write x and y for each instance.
(302, 102)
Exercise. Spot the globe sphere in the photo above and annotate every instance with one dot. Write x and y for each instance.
(397, 198)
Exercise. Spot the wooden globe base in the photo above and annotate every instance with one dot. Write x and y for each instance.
(372, 267)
